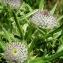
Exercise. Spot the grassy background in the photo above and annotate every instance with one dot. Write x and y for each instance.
(44, 47)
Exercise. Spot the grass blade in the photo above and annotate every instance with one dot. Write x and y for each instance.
(41, 5)
(53, 10)
(60, 18)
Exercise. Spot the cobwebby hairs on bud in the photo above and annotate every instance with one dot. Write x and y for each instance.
(13, 3)
(44, 19)
(16, 52)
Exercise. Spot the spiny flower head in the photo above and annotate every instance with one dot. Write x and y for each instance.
(16, 52)
(44, 19)
(13, 3)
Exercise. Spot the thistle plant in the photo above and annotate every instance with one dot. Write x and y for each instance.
(44, 19)
(12, 3)
(16, 52)
(42, 43)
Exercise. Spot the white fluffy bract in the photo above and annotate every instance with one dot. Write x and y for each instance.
(16, 52)
(44, 19)
(13, 3)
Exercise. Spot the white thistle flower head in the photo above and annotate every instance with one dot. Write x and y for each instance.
(13, 3)
(16, 52)
(44, 19)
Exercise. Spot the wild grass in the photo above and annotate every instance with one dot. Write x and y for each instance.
(44, 46)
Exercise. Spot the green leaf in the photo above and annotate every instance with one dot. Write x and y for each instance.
(30, 9)
(60, 48)
(54, 31)
(37, 60)
(41, 5)
(56, 55)
(61, 39)
(2, 46)
(24, 27)
(56, 35)
(60, 18)
(6, 34)
(53, 10)
(18, 24)
(29, 14)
